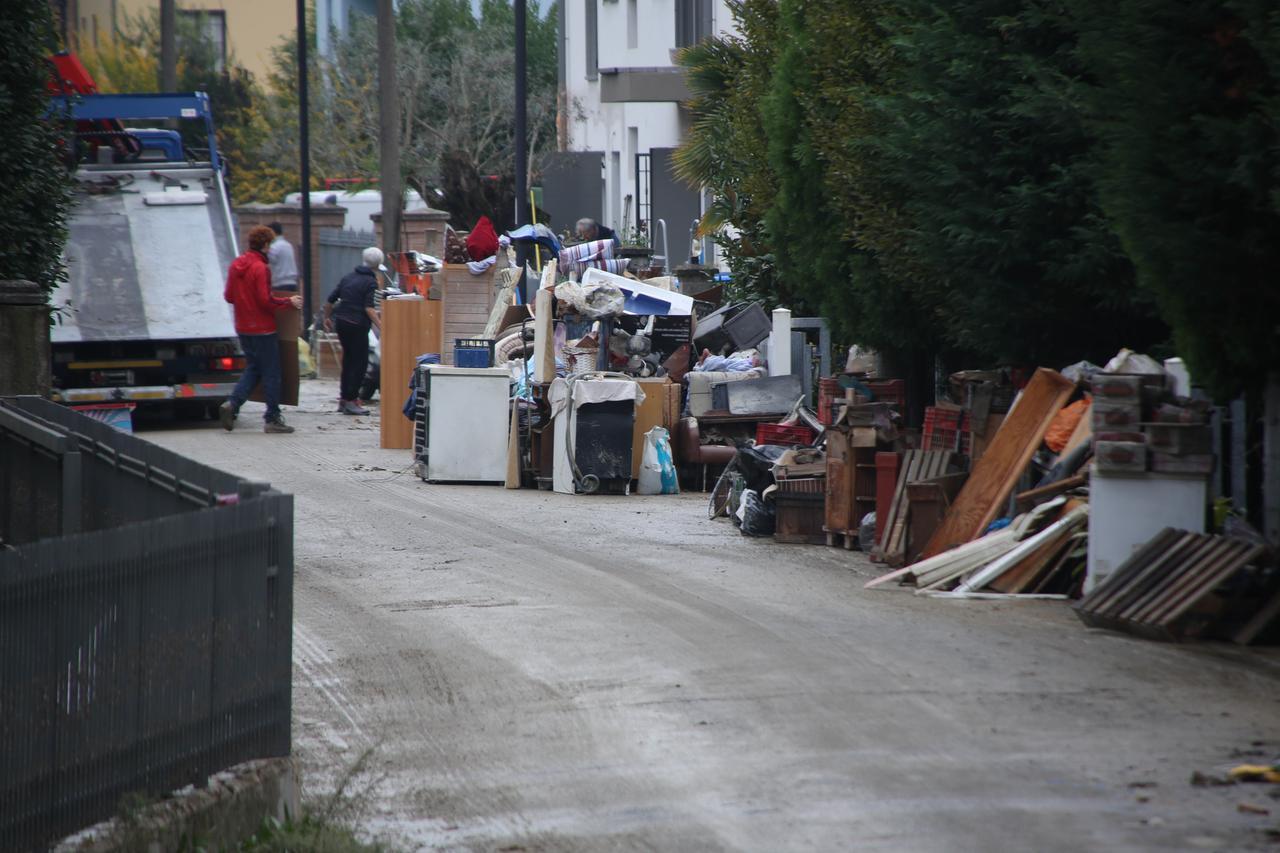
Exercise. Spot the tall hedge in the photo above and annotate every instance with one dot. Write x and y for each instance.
(1185, 101)
(34, 184)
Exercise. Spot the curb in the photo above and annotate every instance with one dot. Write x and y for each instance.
(231, 809)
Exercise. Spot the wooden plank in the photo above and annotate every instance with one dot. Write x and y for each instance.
(895, 550)
(839, 500)
(996, 474)
(1046, 579)
(895, 506)
(544, 363)
(1023, 501)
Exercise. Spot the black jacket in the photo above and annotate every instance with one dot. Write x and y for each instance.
(354, 294)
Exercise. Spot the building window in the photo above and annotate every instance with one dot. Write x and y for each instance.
(633, 24)
(593, 46)
(210, 26)
(693, 21)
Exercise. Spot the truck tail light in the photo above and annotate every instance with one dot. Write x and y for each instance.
(226, 363)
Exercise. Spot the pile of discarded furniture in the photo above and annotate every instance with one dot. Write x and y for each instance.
(1090, 484)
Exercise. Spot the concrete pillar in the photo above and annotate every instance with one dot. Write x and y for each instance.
(24, 328)
(420, 231)
(323, 216)
(780, 343)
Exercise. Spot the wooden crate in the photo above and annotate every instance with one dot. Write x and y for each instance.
(800, 505)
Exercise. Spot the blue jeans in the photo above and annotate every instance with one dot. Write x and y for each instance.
(262, 364)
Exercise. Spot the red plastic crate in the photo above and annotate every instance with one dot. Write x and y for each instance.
(940, 426)
(892, 391)
(828, 389)
(784, 435)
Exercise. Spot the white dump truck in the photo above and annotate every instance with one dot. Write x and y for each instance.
(141, 317)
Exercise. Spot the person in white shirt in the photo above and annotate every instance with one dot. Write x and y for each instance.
(284, 266)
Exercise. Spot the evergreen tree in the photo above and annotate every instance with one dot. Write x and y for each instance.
(1002, 233)
(35, 186)
(726, 147)
(1185, 99)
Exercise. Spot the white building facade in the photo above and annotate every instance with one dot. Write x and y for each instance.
(620, 97)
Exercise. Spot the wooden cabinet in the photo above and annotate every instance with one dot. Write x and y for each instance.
(656, 410)
(410, 328)
(851, 481)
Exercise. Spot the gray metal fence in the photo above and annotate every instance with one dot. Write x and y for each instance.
(339, 253)
(145, 622)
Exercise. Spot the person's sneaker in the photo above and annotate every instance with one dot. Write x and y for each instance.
(227, 415)
(351, 407)
(277, 426)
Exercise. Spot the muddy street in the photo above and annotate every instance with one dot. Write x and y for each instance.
(533, 671)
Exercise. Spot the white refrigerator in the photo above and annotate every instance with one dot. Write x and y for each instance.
(467, 418)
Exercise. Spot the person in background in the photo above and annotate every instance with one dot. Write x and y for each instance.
(349, 311)
(248, 290)
(587, 230)
(280, 257)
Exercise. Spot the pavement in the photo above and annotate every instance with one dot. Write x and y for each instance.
(483, 669)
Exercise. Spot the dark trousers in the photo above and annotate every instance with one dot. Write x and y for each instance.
(355, 356)
(262, 364)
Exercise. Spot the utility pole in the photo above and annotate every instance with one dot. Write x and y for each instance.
(168, 46)
(522, 134)
(304, 160)
(389, 127)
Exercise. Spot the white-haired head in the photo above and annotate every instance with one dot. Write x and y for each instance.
(372, 257)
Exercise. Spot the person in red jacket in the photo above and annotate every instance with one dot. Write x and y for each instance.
(249, 292)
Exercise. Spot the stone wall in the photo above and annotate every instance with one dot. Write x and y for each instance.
(420, 230)
(24, 331)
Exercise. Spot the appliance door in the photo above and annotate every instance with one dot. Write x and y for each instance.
(468, 428)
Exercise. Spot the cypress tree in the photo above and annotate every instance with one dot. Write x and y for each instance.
(1185, 100)
(35, 187)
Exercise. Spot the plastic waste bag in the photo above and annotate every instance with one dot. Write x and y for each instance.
(306, 365)
(657, 467)
(867, 533)
(593, 301)
(759, 517)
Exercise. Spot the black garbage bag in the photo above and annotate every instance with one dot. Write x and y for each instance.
(756, 464)
(759, 516)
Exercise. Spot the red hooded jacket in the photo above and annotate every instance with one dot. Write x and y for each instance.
(249, 292)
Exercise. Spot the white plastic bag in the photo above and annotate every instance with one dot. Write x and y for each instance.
(657, 467)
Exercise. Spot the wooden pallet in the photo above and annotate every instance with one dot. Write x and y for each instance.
(1153, 592)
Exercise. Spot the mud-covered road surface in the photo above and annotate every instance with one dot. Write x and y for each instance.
(529, 671)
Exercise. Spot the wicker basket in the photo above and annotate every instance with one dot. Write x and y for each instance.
(580, 359)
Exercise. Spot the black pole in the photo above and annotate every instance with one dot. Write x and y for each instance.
(522, 135)
(304, 164)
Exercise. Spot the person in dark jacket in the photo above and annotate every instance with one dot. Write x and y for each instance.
(249, 292)
(349, 310)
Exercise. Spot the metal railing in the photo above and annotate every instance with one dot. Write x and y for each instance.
(146, 606)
